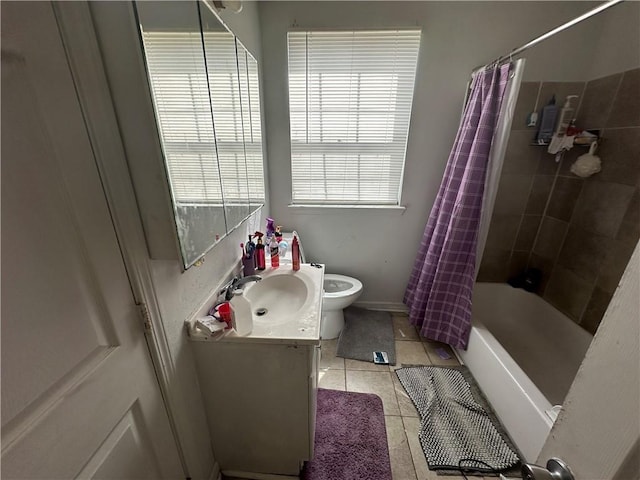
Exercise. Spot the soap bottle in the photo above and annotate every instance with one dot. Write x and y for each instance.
(274, 252)
(251, 246)
(295, 254)
(566, 115)
(260, 258)
(547, 122)
(270, 229)
(242, 316)
(248, 262)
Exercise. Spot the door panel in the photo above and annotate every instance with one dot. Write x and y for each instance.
(79, 394)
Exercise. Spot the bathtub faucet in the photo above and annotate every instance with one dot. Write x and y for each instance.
(229, 289)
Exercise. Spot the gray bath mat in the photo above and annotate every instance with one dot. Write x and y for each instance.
(365, 332)
(454, 426)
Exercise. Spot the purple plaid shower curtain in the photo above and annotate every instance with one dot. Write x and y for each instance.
(441, 284)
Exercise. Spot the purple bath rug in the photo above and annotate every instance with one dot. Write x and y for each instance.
(351, 438)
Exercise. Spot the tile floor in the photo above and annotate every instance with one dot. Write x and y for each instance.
(405, 452)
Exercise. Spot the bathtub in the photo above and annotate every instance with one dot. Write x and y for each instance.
(524, 354)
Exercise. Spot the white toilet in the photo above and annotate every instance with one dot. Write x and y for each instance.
(340, 291)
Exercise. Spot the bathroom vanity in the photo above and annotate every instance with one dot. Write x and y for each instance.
(260, 390)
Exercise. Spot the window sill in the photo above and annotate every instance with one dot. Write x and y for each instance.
(312, 208)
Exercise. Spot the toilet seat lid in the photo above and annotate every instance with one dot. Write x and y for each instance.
(340, 285)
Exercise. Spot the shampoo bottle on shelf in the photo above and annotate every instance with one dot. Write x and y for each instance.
(566, 115)
(260, 257)
(547, 122)
(274, 252)
(295, 254)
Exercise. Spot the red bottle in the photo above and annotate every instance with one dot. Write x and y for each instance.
(260, 258)
(295, 254)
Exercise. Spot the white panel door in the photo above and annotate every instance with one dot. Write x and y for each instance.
(79, 393)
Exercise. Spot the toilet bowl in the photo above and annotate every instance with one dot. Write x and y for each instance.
(340, 291)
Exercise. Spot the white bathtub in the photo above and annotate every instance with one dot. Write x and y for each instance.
(524, 355)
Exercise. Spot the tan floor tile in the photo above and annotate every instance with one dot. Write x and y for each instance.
(358, 365)
(379, 383)
(431, 349)
(403, 330)
(329, 358)
(412, 426)
(399, 453)
(410, 353)
(332, 379)
(404, 402)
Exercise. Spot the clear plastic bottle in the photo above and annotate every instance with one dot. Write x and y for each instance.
(242, 316)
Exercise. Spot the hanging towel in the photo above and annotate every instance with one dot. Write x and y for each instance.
(561, 143)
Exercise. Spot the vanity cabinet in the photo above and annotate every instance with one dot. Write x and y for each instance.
(260, 400)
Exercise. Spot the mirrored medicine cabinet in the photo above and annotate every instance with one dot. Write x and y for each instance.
(204, 87)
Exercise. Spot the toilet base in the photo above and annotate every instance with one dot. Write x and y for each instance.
(332, 324)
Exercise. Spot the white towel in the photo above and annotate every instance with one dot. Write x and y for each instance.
(560, 143)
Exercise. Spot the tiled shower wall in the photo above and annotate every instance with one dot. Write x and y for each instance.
(579, 232)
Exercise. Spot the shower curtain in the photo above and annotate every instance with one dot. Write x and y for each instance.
(441, 284)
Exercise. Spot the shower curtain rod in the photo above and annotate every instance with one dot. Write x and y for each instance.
(550, 33)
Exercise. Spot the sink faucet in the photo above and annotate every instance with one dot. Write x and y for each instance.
(236, 283)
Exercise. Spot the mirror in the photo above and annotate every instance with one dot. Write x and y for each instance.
(202, 81)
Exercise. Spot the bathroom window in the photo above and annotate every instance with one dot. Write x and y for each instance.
(350, 96)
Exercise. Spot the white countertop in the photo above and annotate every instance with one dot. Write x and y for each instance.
(300, 329)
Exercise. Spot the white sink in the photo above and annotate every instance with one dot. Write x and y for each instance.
(278, 298)
(286, 304)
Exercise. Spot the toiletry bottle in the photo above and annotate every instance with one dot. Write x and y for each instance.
(295, 254)
(242, 316)
(547, 122)
(566, 115)
(270, 229)
(260, 258)
(248, 262)
(274, 252)
(251, 247)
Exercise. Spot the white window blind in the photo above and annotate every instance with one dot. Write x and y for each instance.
(350, 96)
(205, 165)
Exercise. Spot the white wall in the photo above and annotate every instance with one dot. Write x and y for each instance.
(618, 45)
(375, 245)
(179, 293)
(602, 45)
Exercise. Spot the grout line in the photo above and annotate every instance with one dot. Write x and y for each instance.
(613, 101)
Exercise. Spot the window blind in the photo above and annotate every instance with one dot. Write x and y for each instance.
(350, 96)
(206, 159)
